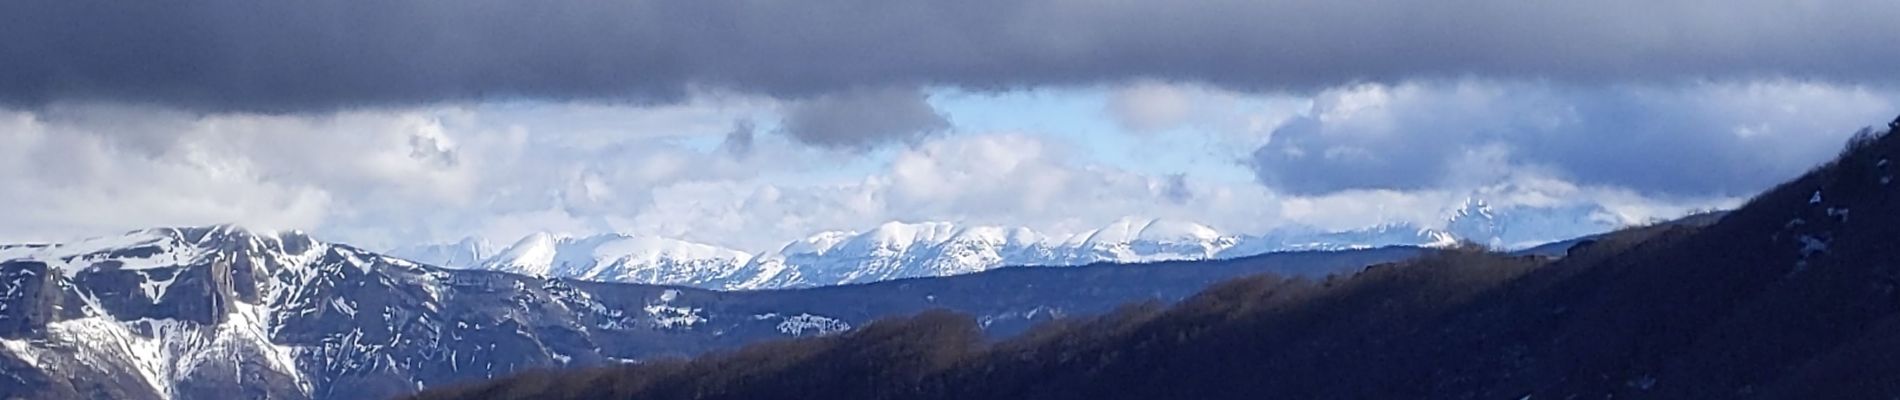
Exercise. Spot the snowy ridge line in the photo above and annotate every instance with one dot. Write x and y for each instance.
(897, 250)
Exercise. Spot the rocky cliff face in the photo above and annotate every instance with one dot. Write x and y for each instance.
(29, 296)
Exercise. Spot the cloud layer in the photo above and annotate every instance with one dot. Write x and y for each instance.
(1695, 139)
(863, 118)
(386, 178)
(236, 55)
(748, 122)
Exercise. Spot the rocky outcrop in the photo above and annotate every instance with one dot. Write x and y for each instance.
(29, 295)
(200, 293)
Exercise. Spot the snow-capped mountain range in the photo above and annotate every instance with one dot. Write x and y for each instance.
(617, 258)
(897, 250)
(225, 312)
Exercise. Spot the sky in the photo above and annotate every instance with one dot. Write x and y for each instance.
(750, 123)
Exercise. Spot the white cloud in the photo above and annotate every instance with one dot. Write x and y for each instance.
(1151, 106)
(382, 178)
(374, 177)
(1709, 138)
(58, 181)
(978, 178)
(1244, 119)
(1018, 179)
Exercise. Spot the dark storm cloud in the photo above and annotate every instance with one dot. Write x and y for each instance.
(863, 118)
(1175, 189)
(738, 143)
(291, 56)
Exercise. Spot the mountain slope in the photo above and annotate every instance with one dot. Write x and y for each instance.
(1793, 295)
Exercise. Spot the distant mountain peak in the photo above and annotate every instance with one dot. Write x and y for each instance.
(1169, 229)
(468, 251)
(1473, 207)
(616, 257)
(1475, 221)
(818, 243)
(896, 249)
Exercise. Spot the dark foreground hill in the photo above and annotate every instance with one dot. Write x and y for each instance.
(1792, 296)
